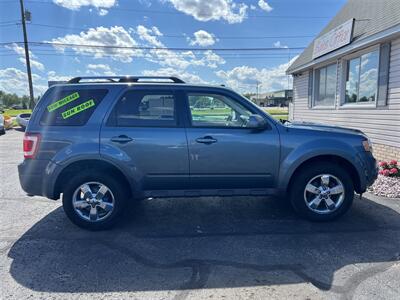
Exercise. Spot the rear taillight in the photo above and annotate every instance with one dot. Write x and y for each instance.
(31, 144)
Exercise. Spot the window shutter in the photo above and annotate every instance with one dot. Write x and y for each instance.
(310, 87)
(383, 77)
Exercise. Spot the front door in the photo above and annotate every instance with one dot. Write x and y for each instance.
(223, 153)
(144, 134)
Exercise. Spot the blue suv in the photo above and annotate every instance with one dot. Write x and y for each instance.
(104, 141)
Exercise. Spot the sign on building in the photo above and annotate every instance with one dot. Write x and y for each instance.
(334, 39)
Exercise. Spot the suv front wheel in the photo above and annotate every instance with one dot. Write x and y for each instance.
(94, 201)
(322, 192)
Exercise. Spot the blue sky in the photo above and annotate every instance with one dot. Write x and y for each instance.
(193, 24)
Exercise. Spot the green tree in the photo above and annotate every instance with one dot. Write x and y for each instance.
(7, 100)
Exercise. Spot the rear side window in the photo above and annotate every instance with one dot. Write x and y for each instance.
(72, 107)
(143, 108)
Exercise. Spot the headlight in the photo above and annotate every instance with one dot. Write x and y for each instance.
(367, 145)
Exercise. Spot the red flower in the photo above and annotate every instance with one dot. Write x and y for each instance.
(393, 162)
(386, 172)
(393, 171)
(380, 172)
(383, 164)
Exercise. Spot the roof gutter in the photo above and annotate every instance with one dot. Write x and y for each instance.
(363, 43)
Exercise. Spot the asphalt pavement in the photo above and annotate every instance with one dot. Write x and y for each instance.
(202, 248)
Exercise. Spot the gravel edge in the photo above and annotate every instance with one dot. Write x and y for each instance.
(386, 186)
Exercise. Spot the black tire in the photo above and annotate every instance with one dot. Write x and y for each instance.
(118, 190)
(302, 178)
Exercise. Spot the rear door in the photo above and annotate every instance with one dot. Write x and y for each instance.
(223, 153)
(144, 132)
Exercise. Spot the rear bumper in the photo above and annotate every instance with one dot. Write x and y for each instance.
(34, 178)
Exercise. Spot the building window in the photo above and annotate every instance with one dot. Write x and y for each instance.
(325, 86)
(362, 78)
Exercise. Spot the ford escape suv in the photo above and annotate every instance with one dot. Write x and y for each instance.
(101, 142)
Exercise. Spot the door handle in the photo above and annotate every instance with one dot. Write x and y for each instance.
(206, 140)
(122, 139)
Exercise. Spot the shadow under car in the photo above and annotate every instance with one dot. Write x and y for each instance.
(177, 244)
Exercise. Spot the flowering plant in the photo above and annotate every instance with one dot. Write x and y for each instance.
(390, 168)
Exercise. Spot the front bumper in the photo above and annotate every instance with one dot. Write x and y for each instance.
(369, 170)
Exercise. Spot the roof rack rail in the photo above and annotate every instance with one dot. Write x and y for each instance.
(126, 78)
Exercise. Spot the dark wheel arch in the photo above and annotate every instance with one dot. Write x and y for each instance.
(344, 163)
(91, 165)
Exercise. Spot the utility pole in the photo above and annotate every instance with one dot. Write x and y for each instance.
(288, 76)
(257, 90)
(28, 63)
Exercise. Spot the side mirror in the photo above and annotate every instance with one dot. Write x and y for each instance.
(256, 122)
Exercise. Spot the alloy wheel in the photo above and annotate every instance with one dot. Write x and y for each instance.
(324, 194)
(93, 201)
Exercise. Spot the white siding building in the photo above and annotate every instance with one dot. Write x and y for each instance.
(355, 82)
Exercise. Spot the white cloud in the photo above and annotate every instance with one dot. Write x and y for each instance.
(146, 3)
(202, 38)
(212, 59)
(21, 51)
(264, 5)
(278, 44)
(185, 76)
(149, 35)
(118, 36)
(210, 10)
(170, 58)
(113, 36)
(163, 57)
(53, 76)
(103, 12)
(15, 81)
(183, 60)
(245, 78)
(34, 63)
(173, 59)
(252, 7)
(99, 69)
(77, 4)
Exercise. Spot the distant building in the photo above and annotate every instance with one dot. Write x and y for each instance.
(278, 98)
(350, 74)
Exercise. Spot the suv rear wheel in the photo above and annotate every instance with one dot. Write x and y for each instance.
(322, 192)
(94, 201)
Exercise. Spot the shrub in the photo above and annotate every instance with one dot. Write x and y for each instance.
(390, 168)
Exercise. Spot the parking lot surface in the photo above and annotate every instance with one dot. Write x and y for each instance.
(218, 248)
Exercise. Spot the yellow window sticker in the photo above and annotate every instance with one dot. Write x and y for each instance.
(77, 109)
(63, 101)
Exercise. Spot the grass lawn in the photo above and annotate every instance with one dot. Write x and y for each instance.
(276, 111)
(283, 117)
(215, 111)
(15, 112)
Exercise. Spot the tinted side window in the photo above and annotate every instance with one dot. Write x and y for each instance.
(140, 108)
(211, 110)
(72, 107)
